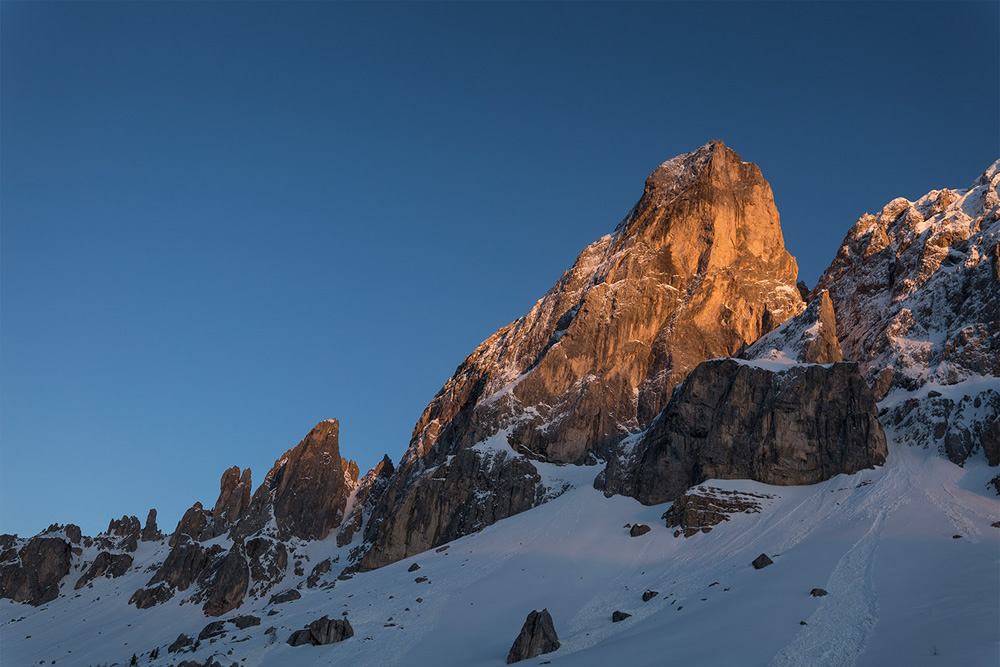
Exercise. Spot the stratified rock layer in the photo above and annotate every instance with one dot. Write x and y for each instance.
(733, 420)
(698, 269)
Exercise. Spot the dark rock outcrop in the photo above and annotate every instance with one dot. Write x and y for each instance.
(733, 420)
(228, 584)
(321, 568)
(150, 533)
(151, 595)
(191, 525)
(761, 561)
(122, 534)
(817, 592)
(639, 529)
(649, 595)
(306, 490)
(697, 270)
(618, 616)
(322, 631)
(285, 596)
(537, 636)
(182, 641)
(699, 510)
(234, 498)
(34, 575)
(106, 564)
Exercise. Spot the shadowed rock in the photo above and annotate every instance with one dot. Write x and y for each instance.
(322, 631)
(106, 564)
(537, 636)
(34, 575)
(761, 561)
(734, 420)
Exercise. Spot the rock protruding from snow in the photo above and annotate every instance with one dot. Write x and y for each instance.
(322, 631)
(698, 269)
(234, 498)
(150, 533)
(731, 419)
(34, 571)
(537, 636)
(810, 337)
(306, 491)
(761, 561)
(369, 491)
(701, 509)
(106, 564)
(915, 289)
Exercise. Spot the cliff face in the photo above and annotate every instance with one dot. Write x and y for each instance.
(915, 289)
(696, 270)
(798, 424)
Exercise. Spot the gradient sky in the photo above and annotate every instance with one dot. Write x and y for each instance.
(221, 223)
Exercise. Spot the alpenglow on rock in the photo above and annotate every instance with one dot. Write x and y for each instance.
(916, 290)
(697, 270)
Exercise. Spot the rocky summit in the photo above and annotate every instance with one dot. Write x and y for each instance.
(672, 384)
(697, 269)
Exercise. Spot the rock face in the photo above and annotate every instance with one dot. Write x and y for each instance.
(150, 533)
(734, 420)
(106, 564)
(696, 270)
(537, 636)
(322, 631)
(307, 489)
(370, 489)
(914, 289)
(34, 572)
(809, 338)
(234, 498)
(228, 584)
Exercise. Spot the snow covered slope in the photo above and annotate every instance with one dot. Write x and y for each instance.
(902, 588)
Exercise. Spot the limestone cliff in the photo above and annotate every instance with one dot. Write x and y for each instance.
(697, 270)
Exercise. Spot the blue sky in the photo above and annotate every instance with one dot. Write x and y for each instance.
(221, 223)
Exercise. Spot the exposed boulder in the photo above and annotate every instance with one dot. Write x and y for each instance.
(810, 337)
(285, 596)
(697, 270)
(761, 561)
(639, 529)
(213, 629)
(106, 564)
(700, 509)
(244, 622)
(322, 631)
(734, 420)
(817, 592)
(537, 636)
(619, 616)
(34, 575)
(649, 595)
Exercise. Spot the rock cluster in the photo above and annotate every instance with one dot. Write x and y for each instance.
(32, 574)
(322, 631)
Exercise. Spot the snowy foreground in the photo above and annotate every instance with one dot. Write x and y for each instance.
(903, 590)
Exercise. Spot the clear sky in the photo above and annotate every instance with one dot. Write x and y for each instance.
(221, 223)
